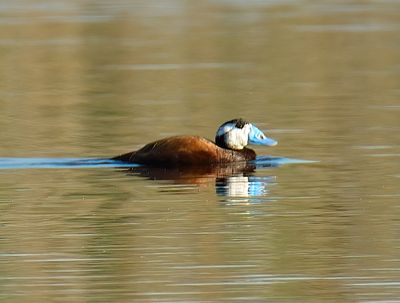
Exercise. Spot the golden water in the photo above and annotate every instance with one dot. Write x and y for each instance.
(97, 78)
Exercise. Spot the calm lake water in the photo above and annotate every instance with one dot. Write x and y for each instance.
(92, 79)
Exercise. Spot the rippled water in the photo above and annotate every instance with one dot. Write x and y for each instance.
(87, 80)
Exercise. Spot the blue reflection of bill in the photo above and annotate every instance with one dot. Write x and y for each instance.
(248, 188)
(244, 187)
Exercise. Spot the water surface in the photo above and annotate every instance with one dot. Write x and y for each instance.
(90, 80)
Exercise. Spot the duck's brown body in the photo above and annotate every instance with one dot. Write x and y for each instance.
(185, 150)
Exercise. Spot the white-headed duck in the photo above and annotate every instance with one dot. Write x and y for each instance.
(231, 140)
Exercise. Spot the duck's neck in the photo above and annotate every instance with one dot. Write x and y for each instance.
(231, 155)
(248, 153)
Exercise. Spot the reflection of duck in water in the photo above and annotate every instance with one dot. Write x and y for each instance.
(194, 174)
(230, 146)
(234, 179)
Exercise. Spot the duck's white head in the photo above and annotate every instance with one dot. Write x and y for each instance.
(236, 134)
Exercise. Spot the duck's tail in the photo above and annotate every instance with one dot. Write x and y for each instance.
(128, 157)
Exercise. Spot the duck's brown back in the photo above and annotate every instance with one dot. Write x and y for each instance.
(185, 150)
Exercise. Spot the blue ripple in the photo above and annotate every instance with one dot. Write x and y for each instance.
(26, 163)
(273, 161)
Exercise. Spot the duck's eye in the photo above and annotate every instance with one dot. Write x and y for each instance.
(261, 136)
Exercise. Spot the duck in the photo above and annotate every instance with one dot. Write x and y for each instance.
(231, 140)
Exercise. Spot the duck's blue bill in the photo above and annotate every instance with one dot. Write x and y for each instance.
(257, 137)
